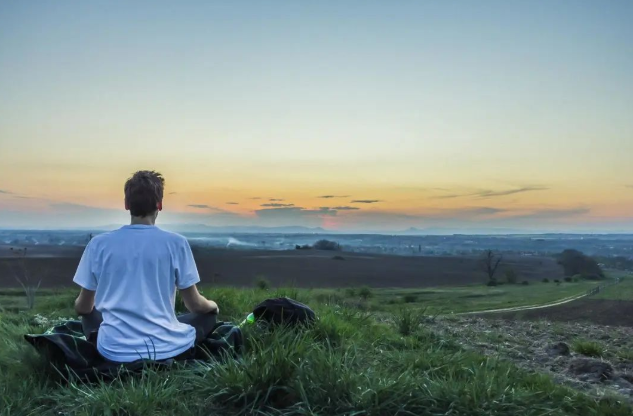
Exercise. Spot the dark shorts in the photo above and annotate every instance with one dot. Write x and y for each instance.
(203, 324)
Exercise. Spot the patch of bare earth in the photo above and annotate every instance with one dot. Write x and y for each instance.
(548, 347)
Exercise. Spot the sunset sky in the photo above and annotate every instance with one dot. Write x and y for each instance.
(346, 115)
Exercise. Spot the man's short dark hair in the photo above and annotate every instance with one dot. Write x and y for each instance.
(143, 191)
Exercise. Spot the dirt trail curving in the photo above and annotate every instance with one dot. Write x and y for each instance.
(546, 305)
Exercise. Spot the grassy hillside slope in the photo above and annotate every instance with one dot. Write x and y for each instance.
(350, 362)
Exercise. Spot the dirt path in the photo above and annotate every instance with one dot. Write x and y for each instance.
(546, 305)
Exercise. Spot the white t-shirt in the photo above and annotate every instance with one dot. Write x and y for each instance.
(135, 271)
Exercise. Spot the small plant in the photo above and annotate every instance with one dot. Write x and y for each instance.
(625, 355)
(545, 280)
(511, 276)
(365, 292)
(557, 282)
(525, 283)
(350, 292)
(492, 282)
(588, 348)
(262, 283)
(568, 279)
(30, 290)
(407, 321)
(410, 298)
(338, 258)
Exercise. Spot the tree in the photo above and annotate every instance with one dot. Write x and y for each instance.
(490, 263)
(327, 245)
(575, 262)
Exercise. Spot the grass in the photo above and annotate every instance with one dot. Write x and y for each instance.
(350, 363)
(588, 348)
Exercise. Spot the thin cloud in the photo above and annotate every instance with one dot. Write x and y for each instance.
(276, 199)
(365, 201)
(487, 193)
(542, 214)
(173, 193)
(490, 194)
(628, 186)
(476, 211)
(333, 196)
(232, 203)
(275, 205)
(255, 197)
(290, 213)
(345, 208)
(2, 191)
(205, 206)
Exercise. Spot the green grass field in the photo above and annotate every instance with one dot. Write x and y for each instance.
(441, 300)
(352, 362)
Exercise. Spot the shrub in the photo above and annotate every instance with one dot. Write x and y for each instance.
(327, 245)
(525, 283)
(492, 282)
(350, 292)
(545, 280)
(557, 281)
(338, 258)
(262, 283)
(588, 348)
(568, 279)
(410, 298)
(365, 292)
(511, 276)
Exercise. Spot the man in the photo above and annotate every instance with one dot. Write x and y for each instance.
(128, 280)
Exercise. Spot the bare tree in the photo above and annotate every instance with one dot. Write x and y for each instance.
(490, 262)
(23, 278)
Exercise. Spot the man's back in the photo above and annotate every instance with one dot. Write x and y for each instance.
(135, 271)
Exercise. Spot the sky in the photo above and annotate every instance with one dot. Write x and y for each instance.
(351, 116)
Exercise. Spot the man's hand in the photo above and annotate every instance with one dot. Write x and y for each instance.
(214, 307)
(197, 303)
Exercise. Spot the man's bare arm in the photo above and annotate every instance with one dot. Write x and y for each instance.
(85, 302)
(197, 303)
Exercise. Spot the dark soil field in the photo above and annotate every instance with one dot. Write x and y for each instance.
(56, 265)
(597, 311)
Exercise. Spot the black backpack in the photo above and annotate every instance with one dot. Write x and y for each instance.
(284, 311)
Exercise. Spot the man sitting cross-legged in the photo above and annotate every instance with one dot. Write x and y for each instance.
(128, 280)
